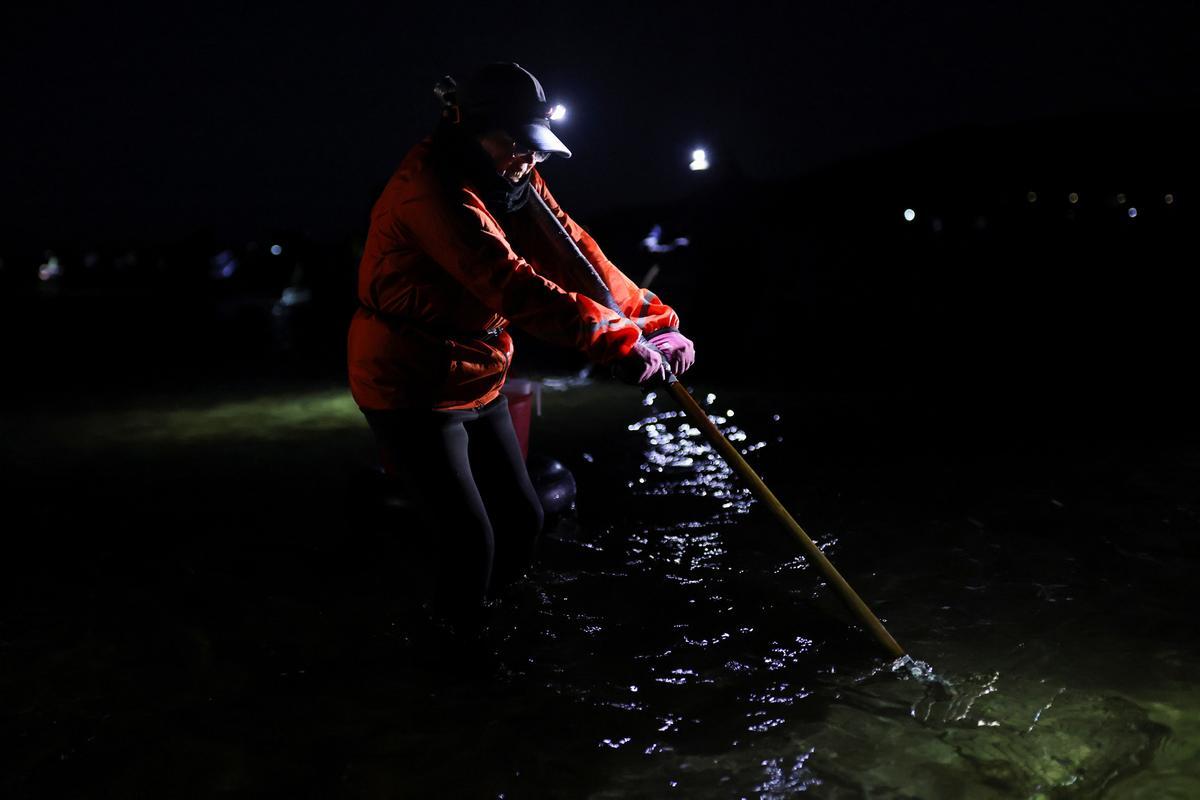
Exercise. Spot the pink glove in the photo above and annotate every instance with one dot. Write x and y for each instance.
(677, 348)
(642, 363)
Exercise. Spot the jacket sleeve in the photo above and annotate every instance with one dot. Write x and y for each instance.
(458, 232)
(642, 306)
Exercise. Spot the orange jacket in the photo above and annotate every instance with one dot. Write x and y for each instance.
(438, 273)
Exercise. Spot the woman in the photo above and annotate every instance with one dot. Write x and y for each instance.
(452, 258)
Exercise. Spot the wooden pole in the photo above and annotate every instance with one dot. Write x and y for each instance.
(594, 286)
(732, 457)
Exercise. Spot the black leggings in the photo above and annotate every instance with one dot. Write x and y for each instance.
(465, 471)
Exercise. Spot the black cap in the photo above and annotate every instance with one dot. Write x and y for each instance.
(507, 96)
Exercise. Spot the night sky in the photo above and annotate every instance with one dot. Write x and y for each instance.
(242, 118)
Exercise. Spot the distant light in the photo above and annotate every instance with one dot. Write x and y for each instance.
(51, 269)
(295, 295)
(699, 161)
(654, 245)
(558, 112)
(1169, 199)
(224, 264)
(909, 214)
(1073, 197)
(1031, 197)
(276, 249)
(1121, 199)
(1132, 212)
(651, 240)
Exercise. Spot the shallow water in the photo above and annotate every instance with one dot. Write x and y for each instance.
(743, 678)
(231, 630)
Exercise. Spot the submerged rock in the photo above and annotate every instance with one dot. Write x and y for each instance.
(983, 736)
(987, 736)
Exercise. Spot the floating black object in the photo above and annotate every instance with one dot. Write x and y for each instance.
(554, 483)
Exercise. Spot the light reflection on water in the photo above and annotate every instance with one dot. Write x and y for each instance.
(732, 684)
(678, 643)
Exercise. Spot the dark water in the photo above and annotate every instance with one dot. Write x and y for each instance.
(192, 610)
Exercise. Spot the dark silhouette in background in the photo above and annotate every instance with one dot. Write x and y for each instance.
(1044, 275)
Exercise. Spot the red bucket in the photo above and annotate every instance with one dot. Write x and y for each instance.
(522, 396)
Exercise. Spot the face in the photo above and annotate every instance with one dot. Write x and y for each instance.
(511, 160)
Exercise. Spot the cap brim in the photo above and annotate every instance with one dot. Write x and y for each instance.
(536, 135)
